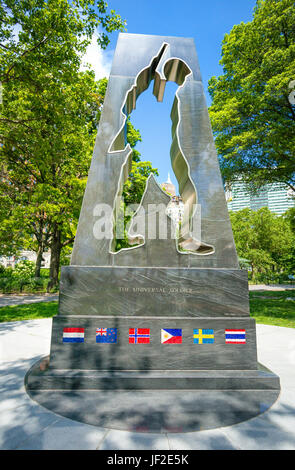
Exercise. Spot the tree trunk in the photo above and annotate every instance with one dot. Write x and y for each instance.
(39, 260)
(252, 272)
(56, 247)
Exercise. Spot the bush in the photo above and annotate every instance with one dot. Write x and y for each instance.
(44, 272)
(6, 272)
(35, 285)
(24, 270)
(3, 283)
(21, 279)
(9, 285)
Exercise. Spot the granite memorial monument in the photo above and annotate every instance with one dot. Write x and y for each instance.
(170, 312)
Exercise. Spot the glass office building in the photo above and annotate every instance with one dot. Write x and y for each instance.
(277, 197)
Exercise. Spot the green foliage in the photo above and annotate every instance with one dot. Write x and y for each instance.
(252, 117)
(21, 279)
(135, 185)
(17, 285)
(65, 256)
(24, 270)
(43, 182)
(48, 119)
(266, 241)
(42, 35)
(290, 217)
(48, 124)
(133, 136)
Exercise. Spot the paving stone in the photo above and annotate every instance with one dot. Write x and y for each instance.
(123, 440)
(65, 434)
(258, 434)
(204, 440)
(18, 424)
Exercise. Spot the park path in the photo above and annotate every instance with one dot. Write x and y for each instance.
(271, 287)
(17, 299)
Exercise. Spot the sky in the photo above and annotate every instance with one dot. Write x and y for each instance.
(205, 21)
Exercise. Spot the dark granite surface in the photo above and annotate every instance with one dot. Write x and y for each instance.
(155, 355)
(153, 291)
(158, 411)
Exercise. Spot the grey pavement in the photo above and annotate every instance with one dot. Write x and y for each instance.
(24, 424)
(271, 287)
(20, 299)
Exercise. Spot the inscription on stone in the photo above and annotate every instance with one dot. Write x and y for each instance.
(160, 290)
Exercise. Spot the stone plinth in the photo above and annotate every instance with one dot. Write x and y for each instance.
(261, 379)
(154, 292)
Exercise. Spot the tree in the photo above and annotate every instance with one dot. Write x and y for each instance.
(46, 188)
(289, 216)
(48, 118)
(48, 125)
(264, 239)
(50, 34)
(252, 117)
(135, 185)
(45, 174)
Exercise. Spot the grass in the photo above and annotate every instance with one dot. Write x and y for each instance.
(273, 308)
(267, 307)
(28, 311)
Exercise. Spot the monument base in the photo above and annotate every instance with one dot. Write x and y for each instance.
(215, 404)
(207, 378)
(123, 355)
(50, 379)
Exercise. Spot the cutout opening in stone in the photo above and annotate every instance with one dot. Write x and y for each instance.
(161, 70)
